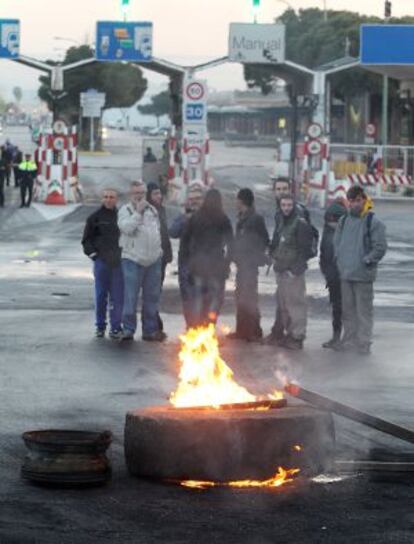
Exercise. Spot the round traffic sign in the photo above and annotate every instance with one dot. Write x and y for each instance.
(59, 127)
(194, 90)
(194, 155)
(59, 143)
(370, 129)
(314, 147)
(314, 130)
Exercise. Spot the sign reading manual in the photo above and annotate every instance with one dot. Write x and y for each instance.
(257, 43)
(117, 40)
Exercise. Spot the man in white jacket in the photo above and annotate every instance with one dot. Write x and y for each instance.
(141, 264)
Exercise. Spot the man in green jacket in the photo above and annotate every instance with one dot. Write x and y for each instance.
(360, 243)
(291, 249)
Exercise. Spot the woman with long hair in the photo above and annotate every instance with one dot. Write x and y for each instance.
(207, 245)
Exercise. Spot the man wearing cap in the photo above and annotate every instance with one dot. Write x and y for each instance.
(329, 269)
(360, 244)
(249, 252)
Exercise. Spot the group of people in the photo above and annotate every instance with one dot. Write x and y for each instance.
(131, 249)
(24, 172)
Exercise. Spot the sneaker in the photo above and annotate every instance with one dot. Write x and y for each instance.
(99, 333)
(364, 349)
(331, 344)
(292, 343)
(115, 334)
(126, 335)
(344, 346)
(158, 336)
(234, 336)
(273, 340)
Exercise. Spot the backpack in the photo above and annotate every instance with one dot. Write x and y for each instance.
(313, 249)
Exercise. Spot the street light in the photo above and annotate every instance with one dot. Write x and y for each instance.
(61, 38)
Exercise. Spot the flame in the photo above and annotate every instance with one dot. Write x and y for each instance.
(276, 395)
(297, 447)
(281, 477)
(205, 379)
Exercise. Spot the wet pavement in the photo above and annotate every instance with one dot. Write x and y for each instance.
(54, 374)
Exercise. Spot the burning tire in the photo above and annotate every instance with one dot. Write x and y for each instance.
(219, 445)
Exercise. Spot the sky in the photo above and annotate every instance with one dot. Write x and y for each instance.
(186, 31)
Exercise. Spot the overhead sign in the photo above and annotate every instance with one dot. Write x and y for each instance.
(195, 101)
(9, 38)
(257, 43)
(128, 41)
(92, 103)
(387, 44)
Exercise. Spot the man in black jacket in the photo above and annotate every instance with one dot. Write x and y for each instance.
(291, 249)
(329, 269)
(282, 186)
(250, 245)
(101, 244)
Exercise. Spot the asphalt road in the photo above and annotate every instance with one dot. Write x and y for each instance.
(54, 374)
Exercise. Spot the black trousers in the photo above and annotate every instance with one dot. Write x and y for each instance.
(16, 172)
(335, 298)
(1, 188)
(26, 188)
(247, 300)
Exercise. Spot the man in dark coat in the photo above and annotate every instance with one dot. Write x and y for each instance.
(291, 248)
(282, 186)
(249, 252)
(329, 269)
(101, 244)
(193, 203)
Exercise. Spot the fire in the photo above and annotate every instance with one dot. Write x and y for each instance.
(281, 477)
(205, 379)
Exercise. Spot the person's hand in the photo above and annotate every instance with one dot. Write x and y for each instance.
(141, 205)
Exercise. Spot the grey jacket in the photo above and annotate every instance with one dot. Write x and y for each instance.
(358, 251)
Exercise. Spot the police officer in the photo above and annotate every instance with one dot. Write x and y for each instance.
(27, 175)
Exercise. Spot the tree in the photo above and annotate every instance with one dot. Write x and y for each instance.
(160, 105)
(123, 84)
(18, 94)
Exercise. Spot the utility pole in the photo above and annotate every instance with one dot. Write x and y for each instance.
(385, 92)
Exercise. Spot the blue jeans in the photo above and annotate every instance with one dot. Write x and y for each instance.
(109, 283)
(147, 278)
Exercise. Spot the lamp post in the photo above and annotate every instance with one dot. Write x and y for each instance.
(61, 38)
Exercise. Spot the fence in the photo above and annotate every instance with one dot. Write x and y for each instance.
(381, 170)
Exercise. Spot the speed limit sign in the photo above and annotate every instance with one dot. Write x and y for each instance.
(194, 90)
(314, 147)
(314, 130)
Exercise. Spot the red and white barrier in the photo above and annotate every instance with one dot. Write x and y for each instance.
(172, 149)
(385, 179)
(57, 180)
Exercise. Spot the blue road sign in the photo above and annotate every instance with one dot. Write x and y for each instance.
(387, 44)
(9, 38)
(124, 41)
(194, 111)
